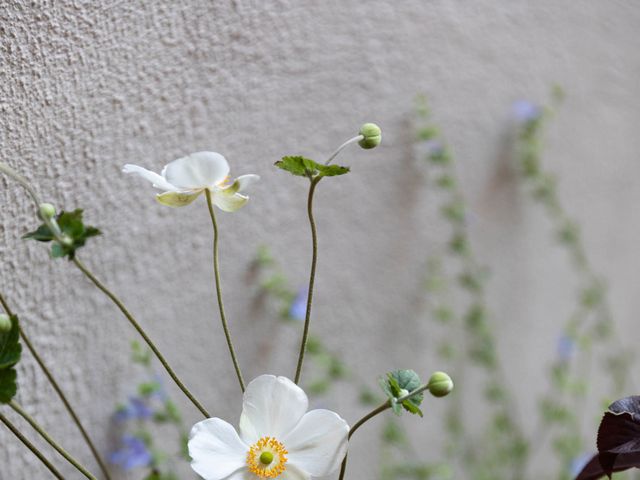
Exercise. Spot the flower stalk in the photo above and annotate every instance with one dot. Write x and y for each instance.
(216, 273)
(45, 435)
(59, 392)
(312, 276)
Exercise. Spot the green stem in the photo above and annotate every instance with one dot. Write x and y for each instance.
(31, 447)
(216, 271)
(43, 433)
(142, 333)
(59, 391)
(312, 276)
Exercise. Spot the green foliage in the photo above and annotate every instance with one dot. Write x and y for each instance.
(10, 352)
(305, 167)
(398, 384)
(8, 385)
(73, 232)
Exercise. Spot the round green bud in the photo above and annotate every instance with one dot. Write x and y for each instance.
(47, 210)
(372, 135)
(266, 458)
(440, 384)
(5, 323)
(403, 392)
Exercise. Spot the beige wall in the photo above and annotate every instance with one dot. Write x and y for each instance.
(88, 86)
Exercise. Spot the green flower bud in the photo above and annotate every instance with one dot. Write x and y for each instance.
(372, 135)
(440, 384)
(5, 323)
(47, 210)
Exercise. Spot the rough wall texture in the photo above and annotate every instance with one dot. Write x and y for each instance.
(88, 86)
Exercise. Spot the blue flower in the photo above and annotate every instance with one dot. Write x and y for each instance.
(524, 111)
(298, 308)
(566, 348)
(578, 463)
(135, 409)
(132, 454)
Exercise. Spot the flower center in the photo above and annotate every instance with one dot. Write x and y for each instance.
(267, 458)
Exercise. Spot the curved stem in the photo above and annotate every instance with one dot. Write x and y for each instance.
(142, 333)
(312, 276)
(31, 447)
(386, 405)
(357, 138)
(216, 272)
(43, 433)
(59, 391)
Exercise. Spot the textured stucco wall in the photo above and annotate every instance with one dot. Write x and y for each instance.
(88, 86)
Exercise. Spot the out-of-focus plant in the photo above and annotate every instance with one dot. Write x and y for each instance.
(144, 417)
(326, 367)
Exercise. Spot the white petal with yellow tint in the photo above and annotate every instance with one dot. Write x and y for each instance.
(177, 199)
(245, 180)
(271, 406)
(318, 443)
(216, 450)
(158, 180)
(229, 202)
(198, 170)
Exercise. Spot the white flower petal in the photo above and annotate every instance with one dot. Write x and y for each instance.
(157, 180)
(318, 443)
(198, 170)
(272, 406)
(243, 474)
(215, 449)
(293, 473)
(245, 180)
(229, 202)
(177, 199)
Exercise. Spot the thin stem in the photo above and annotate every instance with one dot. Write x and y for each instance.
(59, 391)
(142, 333)
(386, 405)
(312, 277)
(216, 272)
(43, 433)
(31, 447)
(357, 138)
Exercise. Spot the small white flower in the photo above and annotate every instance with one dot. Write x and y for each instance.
(278, 437)
(184, 179)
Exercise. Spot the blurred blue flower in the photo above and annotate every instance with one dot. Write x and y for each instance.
(579, 462)
(135, 409)
(566, 348)
(524, 111)
(298, 308)
(132, 454)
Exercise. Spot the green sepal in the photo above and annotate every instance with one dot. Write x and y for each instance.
(397, 384)
(305, 167)
(8, 385)
(10, 348)
(72, 227)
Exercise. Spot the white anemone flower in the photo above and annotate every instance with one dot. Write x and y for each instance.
(184, 179)
(278, 437)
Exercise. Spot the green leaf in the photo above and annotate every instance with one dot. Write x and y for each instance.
(41, 234)
(71, 226)
(10, 348)
(397, 384)
(8, 385)
(331, 170)
(305, 167)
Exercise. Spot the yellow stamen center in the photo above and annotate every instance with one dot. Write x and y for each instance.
(267, 458)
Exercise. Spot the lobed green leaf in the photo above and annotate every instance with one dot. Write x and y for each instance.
(305, 167)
